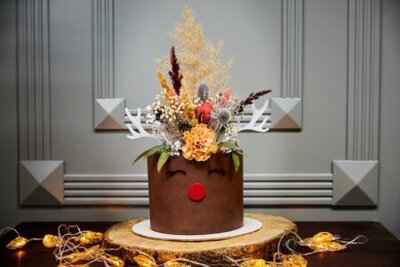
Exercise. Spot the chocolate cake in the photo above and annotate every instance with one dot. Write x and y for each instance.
(192, 198)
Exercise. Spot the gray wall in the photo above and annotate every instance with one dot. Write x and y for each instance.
(94, 49)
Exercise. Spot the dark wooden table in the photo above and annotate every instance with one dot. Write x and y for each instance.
(382, 249)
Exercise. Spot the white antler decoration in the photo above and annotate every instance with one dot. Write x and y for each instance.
(138, 125)
(263, 126)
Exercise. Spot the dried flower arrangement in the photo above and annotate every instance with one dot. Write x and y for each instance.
(195, 115)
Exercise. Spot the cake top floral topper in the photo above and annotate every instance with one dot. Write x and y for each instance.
(195, 114)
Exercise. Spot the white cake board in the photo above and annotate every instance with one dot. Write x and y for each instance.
(249, 225)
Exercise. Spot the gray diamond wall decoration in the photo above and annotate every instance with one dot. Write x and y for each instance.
(286, 113)
(355, 183)
(109, 114)
(41, 182)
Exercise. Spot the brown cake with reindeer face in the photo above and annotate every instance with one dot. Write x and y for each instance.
(190, 197)
(195, 172)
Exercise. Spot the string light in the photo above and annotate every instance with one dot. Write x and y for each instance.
(144, 261)
(323, 242)
(86, 255)
(291, 260)
(17, 243)
(89, 237)
(114, 261)
(70, 249)
(255, 263)
(75, 265)
(51, 241)
(320, 242)
(175, 264)
(279, 260)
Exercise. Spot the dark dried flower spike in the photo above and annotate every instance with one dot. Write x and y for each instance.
(250, 99)
(176, 77)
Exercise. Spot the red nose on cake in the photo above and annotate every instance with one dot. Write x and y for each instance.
(197, 192)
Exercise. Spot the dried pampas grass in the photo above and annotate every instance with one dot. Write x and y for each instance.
(199, 60)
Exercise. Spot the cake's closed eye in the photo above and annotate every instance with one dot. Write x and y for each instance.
(174, 172)
(221, 172)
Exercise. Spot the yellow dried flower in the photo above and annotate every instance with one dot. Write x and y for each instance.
(200, 143)
(169, 95)
(164, 84)
(188, 108)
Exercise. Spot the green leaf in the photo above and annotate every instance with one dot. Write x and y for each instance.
(220, 134)
(236, 161)
(162, 160)
(229, 145)
(240, 152)
(148, 152)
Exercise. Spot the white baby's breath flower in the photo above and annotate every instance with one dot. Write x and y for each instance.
(230, 134)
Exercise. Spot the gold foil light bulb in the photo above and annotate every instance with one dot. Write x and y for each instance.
(17, 243)
(51, 241)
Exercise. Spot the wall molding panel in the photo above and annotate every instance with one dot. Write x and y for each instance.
(292, 48)
(355, 183)
(33, 79)
(41, 182)
(363, 79)
(259, 189)
(109, 114)
(286, 113)
(103, 48)
(356, 179)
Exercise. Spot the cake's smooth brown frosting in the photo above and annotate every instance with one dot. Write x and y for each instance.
(173, 211)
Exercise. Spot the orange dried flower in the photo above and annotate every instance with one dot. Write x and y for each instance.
(226, 95)
(200, 143)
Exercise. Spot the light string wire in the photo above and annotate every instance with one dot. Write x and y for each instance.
(93, 254)
(70, 248)
(9, 229)
(19, 241)
(358, 240)
(293, 237)
(171, 261)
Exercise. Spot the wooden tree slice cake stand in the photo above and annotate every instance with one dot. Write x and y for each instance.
(260, 244)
